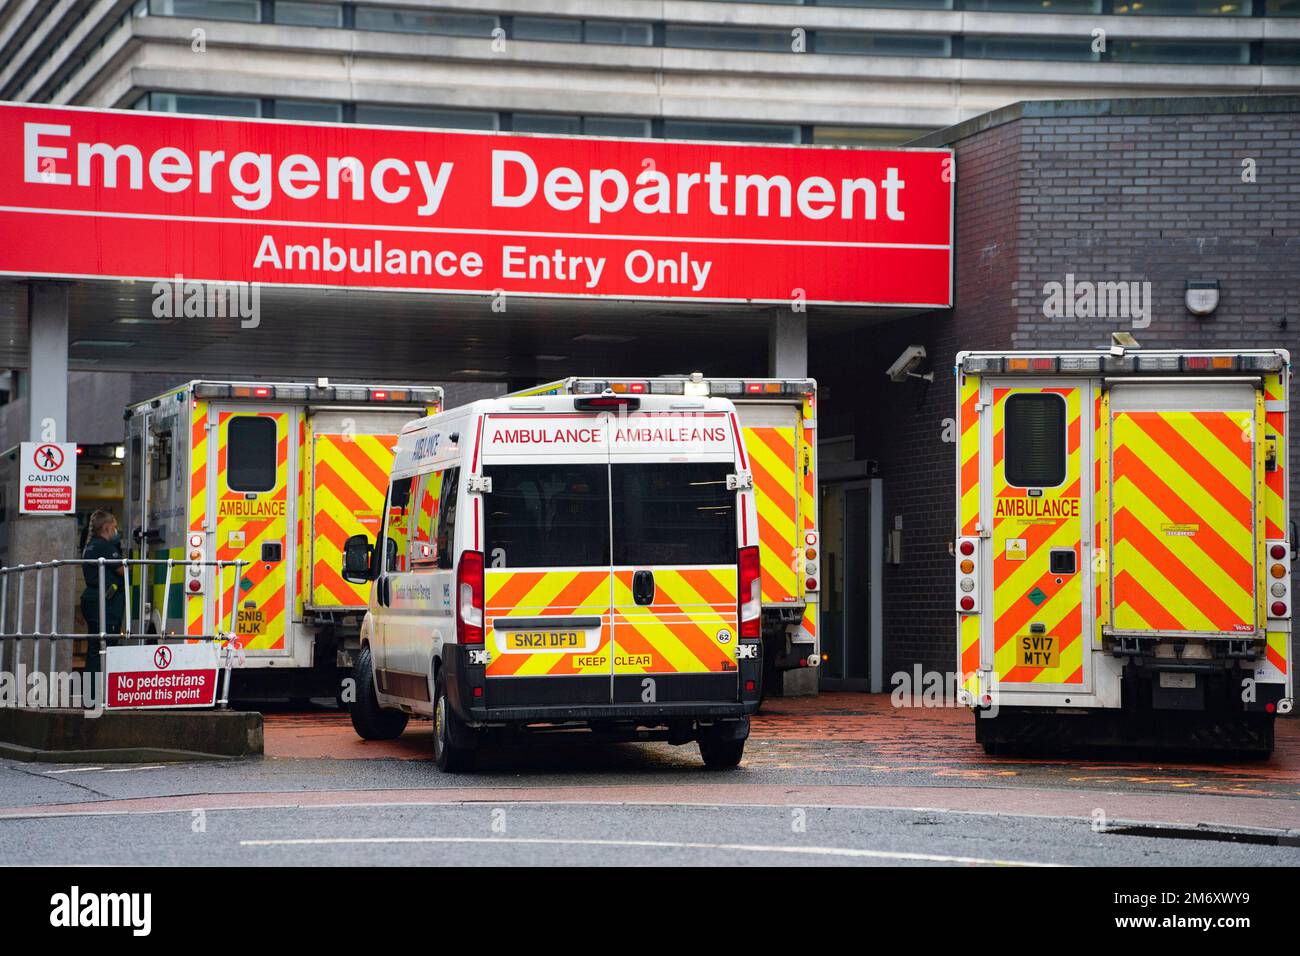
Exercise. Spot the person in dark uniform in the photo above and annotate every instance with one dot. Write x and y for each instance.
(102, 542)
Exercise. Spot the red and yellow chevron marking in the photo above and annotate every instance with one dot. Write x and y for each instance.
(301, 512)
(678, 632)
(198, 512)
(968, 454)
(1276, 649)
(1275, 517)
(542, 593)
(267, 582)
(1184, 545)
(969, 659)
(808, 465)
(349, 479)
(773, 462)
(1054, 523)
(1101, 507)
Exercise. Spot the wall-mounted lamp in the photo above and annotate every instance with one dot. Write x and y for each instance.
(1202, 298)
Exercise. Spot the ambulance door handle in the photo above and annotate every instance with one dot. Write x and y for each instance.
(643, 587)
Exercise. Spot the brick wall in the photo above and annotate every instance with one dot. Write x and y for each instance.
(1105, 191)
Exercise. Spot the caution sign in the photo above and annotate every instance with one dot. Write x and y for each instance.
(168, 675)
(48, 478)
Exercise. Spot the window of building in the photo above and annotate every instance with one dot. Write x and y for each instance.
(1034, 433)
(1178, 51)
(874, 136)
(204, 105)
(1283, 8)
(625, 126)
(622, 32)
(250, 453)
(376, 114)
(882, 44)
(546, 123)
(308, 14)
(1282, 54)
(1035, 6)
(738, 132)
(1029, 48)
(312, 111)
(1184, 8)
(250, 11)
(902, 4)
(727, 38)
(552, 29)
(421, 21)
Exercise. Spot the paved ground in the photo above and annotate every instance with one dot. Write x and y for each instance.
(838, 779)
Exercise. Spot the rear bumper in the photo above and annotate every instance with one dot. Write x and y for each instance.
(656, 697)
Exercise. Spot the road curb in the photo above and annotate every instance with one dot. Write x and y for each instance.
(63, 735)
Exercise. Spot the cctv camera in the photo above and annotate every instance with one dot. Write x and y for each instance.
(905, 365)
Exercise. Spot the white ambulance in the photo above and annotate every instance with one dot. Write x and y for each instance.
(561, 562)
(1124, 547)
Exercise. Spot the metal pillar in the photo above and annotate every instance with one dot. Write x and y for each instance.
(787, 344)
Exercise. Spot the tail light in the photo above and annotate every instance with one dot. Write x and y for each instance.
(469, 598)
(1279, 578)
(750, 591)
(968, 557)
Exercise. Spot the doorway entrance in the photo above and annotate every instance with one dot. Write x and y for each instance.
(852, 548)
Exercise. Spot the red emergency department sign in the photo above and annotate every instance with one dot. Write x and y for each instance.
(168, 675)
(123, 194)
(48, 479)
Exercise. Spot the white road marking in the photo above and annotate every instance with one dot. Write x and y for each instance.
(51, 773)
(658, 844)
(133, 769)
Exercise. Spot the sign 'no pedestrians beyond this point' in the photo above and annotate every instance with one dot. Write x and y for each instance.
(48, 474)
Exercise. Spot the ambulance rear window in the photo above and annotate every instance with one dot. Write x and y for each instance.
(674, 514)
(250, 453)
(547, 516)
(1034, 433)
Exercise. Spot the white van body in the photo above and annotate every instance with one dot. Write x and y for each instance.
(562, 561)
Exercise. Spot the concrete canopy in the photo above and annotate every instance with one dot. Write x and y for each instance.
(411, 336)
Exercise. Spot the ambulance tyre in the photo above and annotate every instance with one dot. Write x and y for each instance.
(721, 754)
(369, 720)
(447, 757)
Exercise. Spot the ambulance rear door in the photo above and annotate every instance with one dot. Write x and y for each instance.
(350, 457)
(1037, 491)
(546, 547)
(675, 533)
(1186, 527)
(254, 511)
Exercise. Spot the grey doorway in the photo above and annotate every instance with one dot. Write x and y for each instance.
(852, 545)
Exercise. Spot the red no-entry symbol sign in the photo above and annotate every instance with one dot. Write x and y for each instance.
(162, 657)
(49, 457)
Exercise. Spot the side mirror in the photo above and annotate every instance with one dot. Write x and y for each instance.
(357, 555)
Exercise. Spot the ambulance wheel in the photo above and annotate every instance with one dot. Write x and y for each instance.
(369, 720)
(721, 754)
(447, 757)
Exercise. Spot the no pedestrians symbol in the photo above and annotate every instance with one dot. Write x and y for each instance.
(49, 457)
(162, 657)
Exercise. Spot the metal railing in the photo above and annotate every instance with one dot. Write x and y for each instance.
(44, 604)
